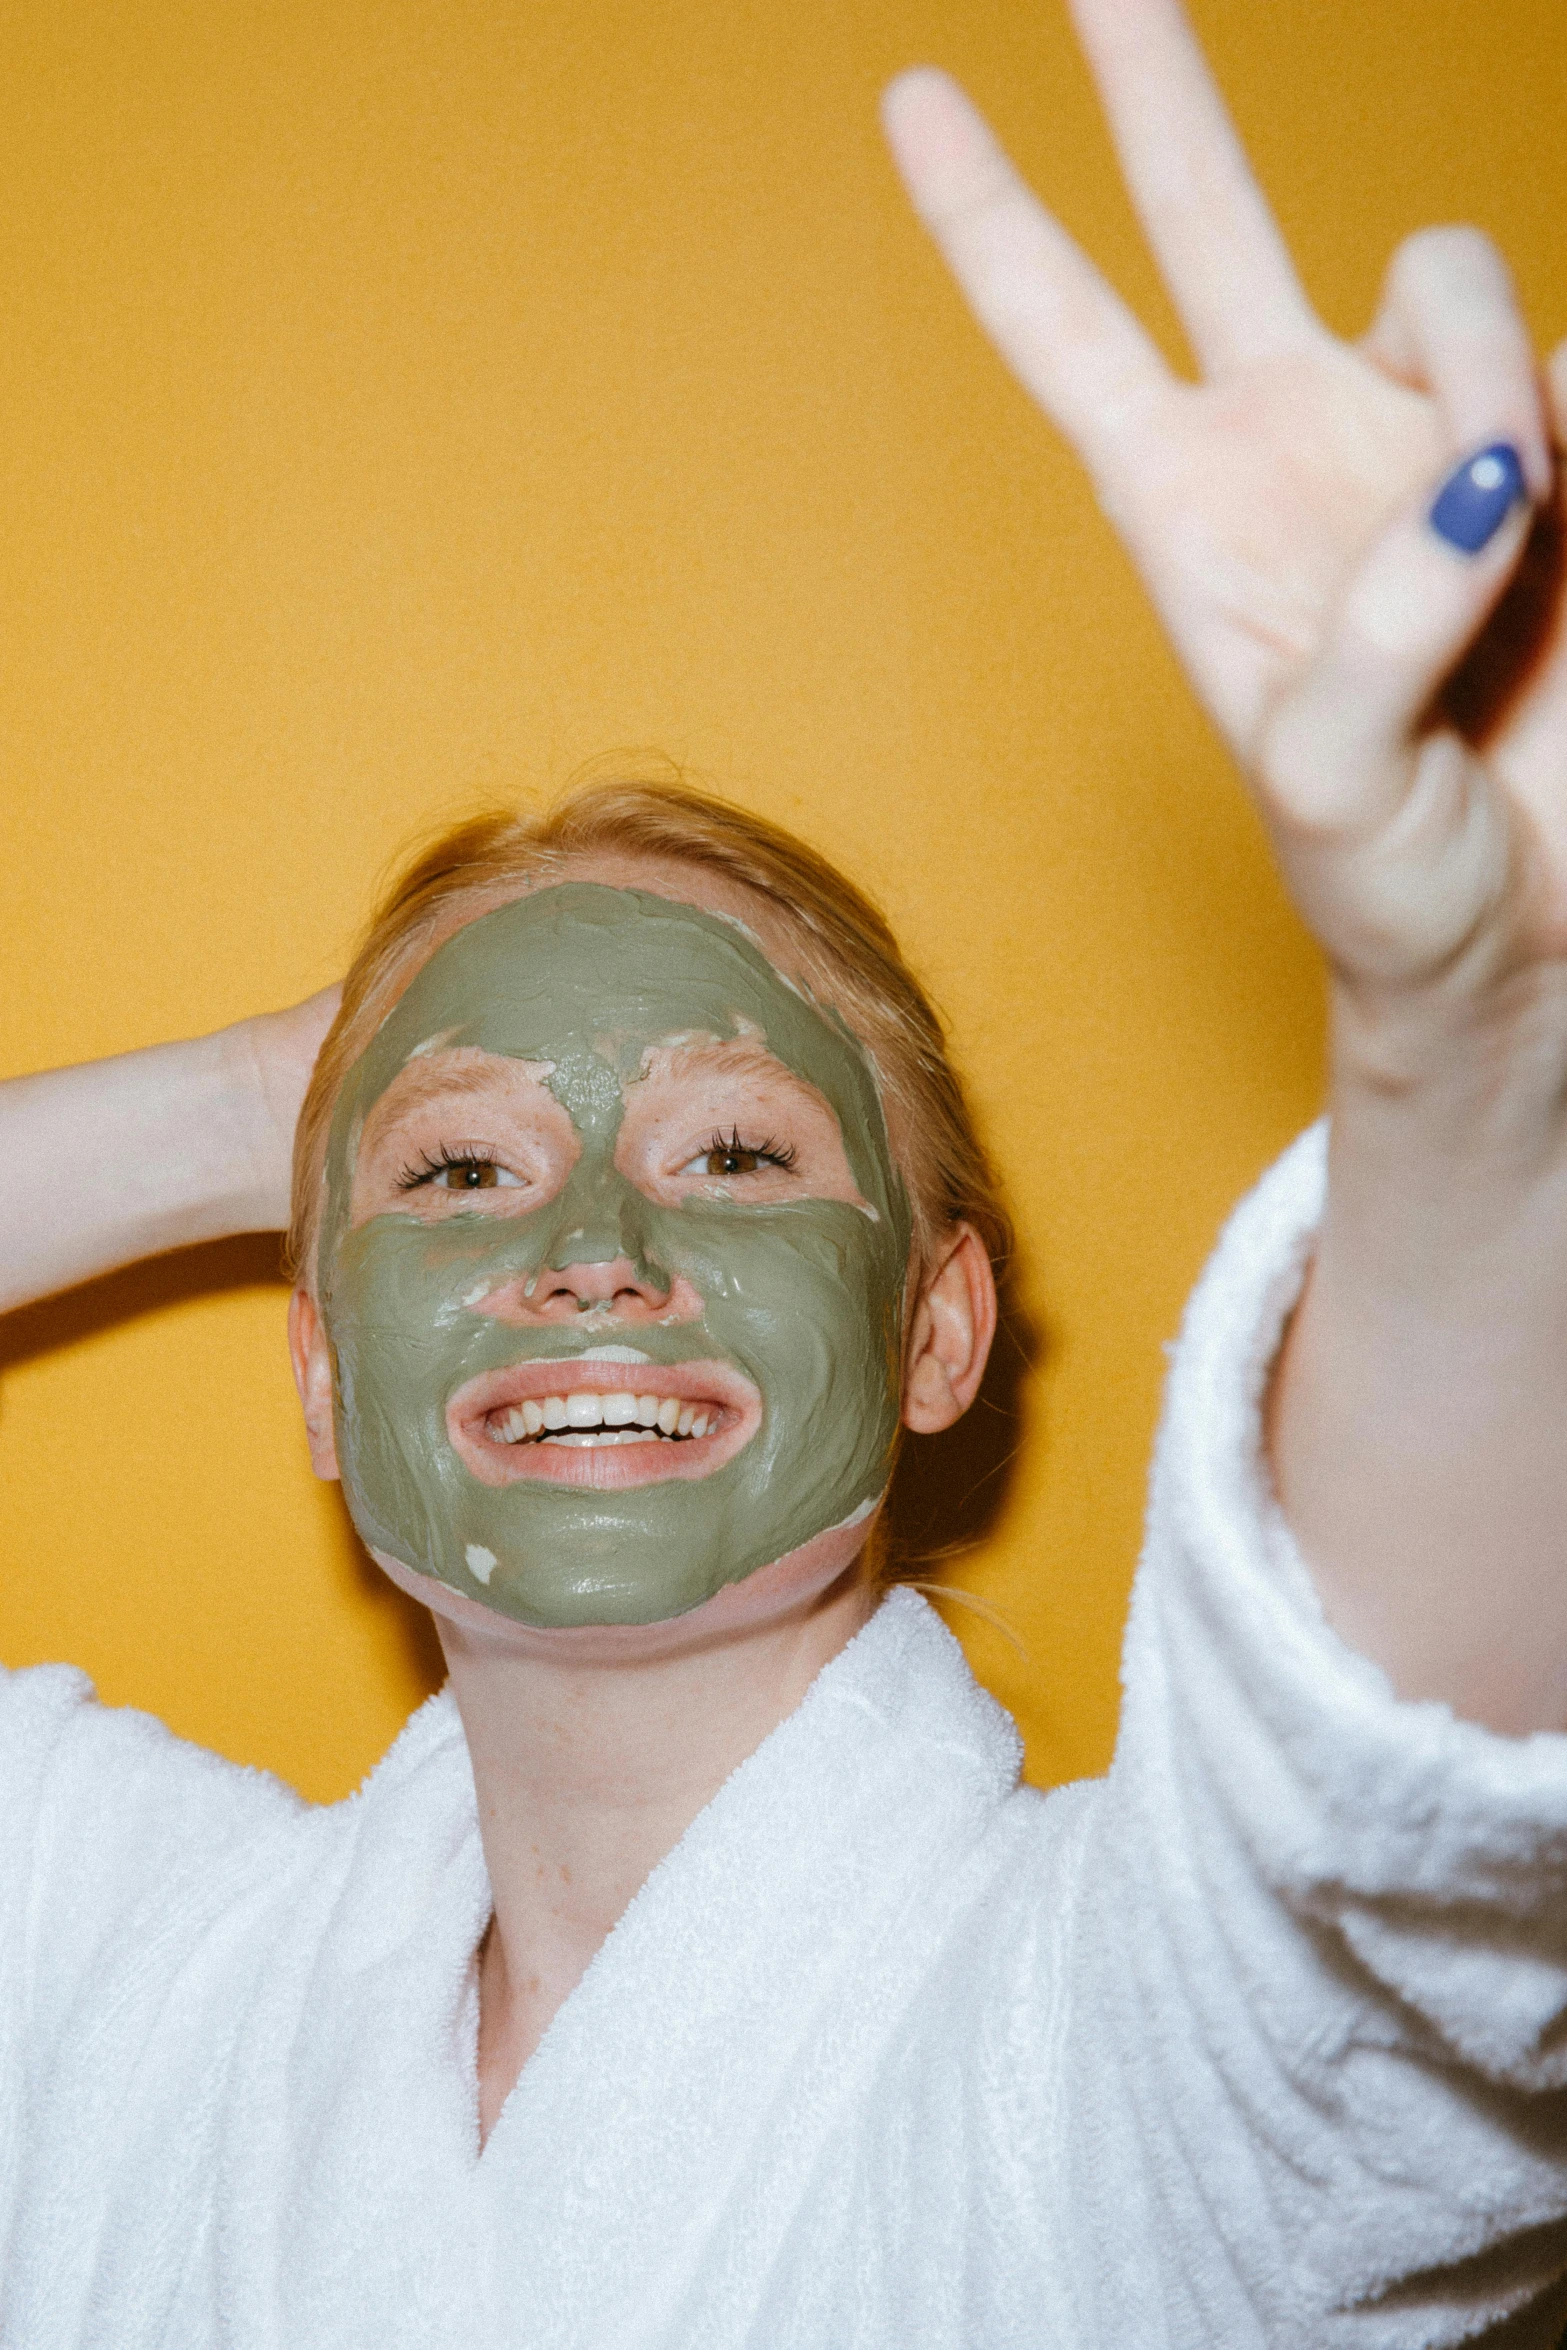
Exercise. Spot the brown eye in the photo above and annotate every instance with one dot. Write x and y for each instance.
(458, 1170)
(730, 1159)
(470, 1175)
(731, 1155)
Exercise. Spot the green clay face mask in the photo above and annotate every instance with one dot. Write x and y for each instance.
(777, 1316)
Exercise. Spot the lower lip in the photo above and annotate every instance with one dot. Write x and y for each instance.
(598, 1439)
(586, 1460)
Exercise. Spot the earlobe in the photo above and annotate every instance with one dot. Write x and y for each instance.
(950, 1334)
(312, 1361)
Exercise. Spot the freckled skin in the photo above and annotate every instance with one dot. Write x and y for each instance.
(804, 1296)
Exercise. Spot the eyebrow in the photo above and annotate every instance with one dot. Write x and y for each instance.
(735, 1056)
(418, 1083)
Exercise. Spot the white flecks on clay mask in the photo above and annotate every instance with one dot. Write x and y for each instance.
(771, 1401)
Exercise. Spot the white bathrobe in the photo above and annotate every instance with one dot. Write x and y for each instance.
(1261, 2039)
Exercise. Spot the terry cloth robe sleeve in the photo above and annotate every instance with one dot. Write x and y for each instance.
(110, 1827)
(1320, 1967)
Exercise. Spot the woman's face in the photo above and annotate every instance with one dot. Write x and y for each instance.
(612, 1265)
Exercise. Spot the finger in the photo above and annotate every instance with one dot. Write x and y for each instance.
(1227, 267)
(1556, 393)
(1394, 841)
(1061, 328)
(1450, 325)
(1419, 598)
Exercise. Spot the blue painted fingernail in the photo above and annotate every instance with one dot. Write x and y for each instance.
(1474, 502)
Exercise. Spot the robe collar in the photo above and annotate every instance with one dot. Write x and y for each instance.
(774, 1940)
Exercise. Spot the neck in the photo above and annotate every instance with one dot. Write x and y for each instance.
(588, 1772)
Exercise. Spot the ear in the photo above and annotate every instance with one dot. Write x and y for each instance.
(312, 1360)
(950, 1331)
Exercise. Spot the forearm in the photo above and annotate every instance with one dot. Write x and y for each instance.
(1419, 1411)
(119, 1159)
(1336, 1919)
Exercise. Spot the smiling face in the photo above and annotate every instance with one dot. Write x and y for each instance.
(612, 1264)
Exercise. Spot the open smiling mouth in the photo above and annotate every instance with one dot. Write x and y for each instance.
(602, 1424)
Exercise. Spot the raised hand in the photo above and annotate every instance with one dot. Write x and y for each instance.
(119, 1159)
(1356, 550)
(1276, 507)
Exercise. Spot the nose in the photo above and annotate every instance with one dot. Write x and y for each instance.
(633, 1293)
(599, 1253)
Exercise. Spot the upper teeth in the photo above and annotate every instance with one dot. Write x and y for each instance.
(666, 1415)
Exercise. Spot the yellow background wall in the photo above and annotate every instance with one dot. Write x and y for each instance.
(405, 400)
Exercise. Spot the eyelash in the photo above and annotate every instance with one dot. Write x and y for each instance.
(429, 1168)
(772, 1154)
(775, 1154)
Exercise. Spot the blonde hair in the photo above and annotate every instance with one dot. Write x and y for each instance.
(847, 952)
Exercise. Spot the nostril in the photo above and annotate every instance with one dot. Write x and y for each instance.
(566, 1292)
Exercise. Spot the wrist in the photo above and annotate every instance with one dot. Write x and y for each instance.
(1465, 1082)
(265, 1066)
(262, 1067)
(242, 1185)
(1447, 1198)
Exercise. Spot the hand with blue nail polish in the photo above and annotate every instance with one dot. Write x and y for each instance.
(1249, 497)
(1477, 497)
(1356, 549)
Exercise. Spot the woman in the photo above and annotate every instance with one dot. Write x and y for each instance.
(693, 1970)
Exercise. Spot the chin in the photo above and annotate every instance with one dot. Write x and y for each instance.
(829, 1565)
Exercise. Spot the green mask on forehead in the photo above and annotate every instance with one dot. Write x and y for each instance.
(803, 1297)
